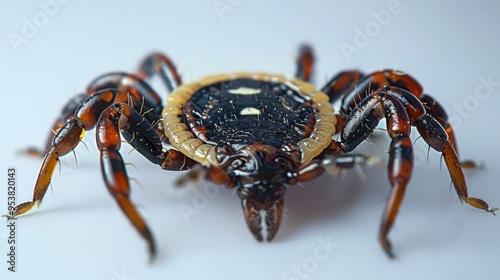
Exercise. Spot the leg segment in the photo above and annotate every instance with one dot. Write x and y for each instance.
(128, 83)
(305, 63)
(399, 173)
(123, 118)
(342, 84)
(214, 174)
(66, 113)
(434, 109)
(136, 87)
(352, 86)
(436, 136)
(63, 142)
(331, 163)
(158, 64)
(114, 119)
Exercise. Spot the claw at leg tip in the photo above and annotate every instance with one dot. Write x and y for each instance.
(152, 256)
(390, 254)
(387, 247)
(493, 210)
(9, 217)
(258, 237)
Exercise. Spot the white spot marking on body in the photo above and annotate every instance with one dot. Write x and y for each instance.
(250, 111)
(244, 90)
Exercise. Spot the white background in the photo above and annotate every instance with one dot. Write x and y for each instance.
(79, 232)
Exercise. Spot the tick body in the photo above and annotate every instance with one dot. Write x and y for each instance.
(257, 133)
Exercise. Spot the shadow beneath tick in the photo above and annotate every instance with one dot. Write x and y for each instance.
(308, 205)
(323, 201)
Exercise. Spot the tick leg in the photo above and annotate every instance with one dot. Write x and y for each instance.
(436, 136)
(434, 109)
(122, 118)
(158, 64)
(115, 118)
(129, 83)
(305, 63)
(342, 84)
(66, 113)
(63, 142)
(331, 163)
(399, 173)
(214, 174)
(362, 122)
(135, 86)
(368, 84)
(68, 137)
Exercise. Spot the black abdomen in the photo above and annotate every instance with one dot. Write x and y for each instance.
(240, 112)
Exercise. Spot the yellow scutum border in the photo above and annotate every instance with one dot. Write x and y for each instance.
(185, 141)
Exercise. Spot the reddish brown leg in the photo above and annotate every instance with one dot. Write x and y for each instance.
(341, 84)
(123, 118)
(362, 122)
(399, 173)
(138, 88)
(434, 109)
(372, 82)
(66, 113)
(329, 162)
(113, 167)
(129, 83)
(436, 136)
(305, 63)
(158, 64)
(213, 174)
(64, 141)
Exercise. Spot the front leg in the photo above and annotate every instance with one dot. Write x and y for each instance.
(64, 141)
(332, 163)
(121, 118)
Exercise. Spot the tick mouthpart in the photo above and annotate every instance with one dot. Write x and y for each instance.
(263, 214)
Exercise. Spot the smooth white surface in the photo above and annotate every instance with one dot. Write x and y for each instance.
(79, 233)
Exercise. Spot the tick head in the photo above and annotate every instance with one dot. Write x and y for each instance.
(261, 173)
